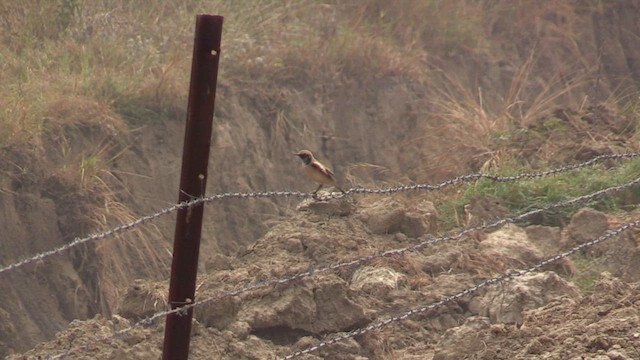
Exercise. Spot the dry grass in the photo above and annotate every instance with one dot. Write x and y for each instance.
(476, 124)
(120, 54)
(134, 59)
(139, 251)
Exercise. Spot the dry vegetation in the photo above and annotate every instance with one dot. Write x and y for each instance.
(118, 65)
(106, 69)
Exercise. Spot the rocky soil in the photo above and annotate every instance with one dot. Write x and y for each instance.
(539, 315)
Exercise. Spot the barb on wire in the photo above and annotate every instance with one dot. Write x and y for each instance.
(478, 176)
(355, 262)
(502, 277)
(273, 194)
(142, 220)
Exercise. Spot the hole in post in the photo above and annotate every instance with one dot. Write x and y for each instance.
(214, 52)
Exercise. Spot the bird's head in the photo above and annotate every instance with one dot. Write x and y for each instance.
(305, 155)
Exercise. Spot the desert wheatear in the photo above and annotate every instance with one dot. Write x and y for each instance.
(316, 171)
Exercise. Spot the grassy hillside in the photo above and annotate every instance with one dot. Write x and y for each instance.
(72, 62)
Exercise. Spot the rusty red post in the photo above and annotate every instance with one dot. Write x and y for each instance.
(193, 179)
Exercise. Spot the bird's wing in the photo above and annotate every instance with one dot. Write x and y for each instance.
(322, 168)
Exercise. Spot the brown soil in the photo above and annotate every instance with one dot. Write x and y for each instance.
(541, 314)
(45, 305)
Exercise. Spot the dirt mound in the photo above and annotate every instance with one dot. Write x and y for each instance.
(529, 316)
(602, 325)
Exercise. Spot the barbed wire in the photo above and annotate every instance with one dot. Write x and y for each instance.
(500, 278)
(273, 194)
(356, 262)
(142, 220)
(111, 232)
(478, 176)
(359, 261)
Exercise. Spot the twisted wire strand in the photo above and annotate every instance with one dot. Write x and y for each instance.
(273, 194)
(500, 278)
(359, 261)
(478, 176)
(143, 220)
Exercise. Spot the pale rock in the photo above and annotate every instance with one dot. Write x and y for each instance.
(511, 244)
(462, 340)
(507, 302)
(376, 280)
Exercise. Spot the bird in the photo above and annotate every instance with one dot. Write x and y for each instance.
(316, 171)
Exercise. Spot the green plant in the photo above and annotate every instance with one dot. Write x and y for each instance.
(66, 12)
(525, 195)
(587, 272)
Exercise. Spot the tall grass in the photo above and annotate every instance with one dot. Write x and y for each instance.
(135, 58)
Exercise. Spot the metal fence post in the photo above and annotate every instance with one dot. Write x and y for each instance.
(193, 180)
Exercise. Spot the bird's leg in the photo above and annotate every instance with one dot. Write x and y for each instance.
(315, 193)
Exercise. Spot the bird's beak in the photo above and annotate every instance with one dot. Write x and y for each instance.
(296, 154)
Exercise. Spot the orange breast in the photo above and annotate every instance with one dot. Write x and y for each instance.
(319, 176)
